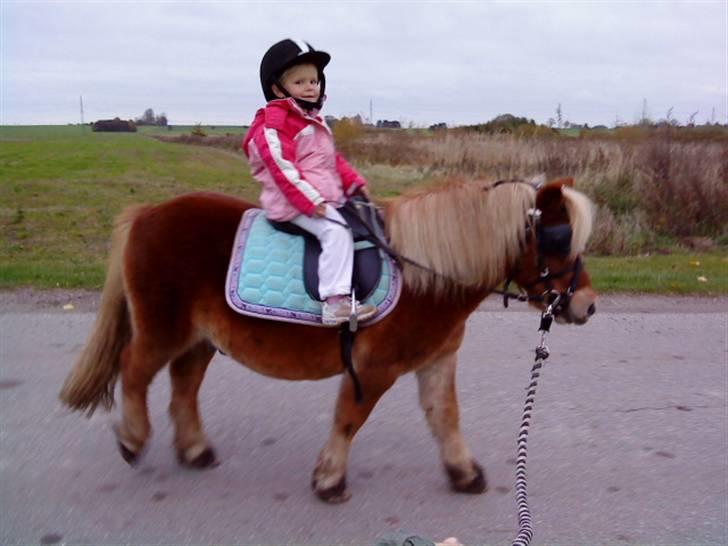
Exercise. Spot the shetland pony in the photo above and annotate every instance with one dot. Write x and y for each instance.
(163, 303)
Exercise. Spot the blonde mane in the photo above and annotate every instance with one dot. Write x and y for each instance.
(471, 235)
(581, 214)
(461, 231)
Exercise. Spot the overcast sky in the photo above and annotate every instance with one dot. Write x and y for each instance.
(418, 62)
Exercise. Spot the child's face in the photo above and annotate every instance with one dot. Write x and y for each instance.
(301, 82)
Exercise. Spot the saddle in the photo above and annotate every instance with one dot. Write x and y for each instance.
(273, 270)
(364, 223)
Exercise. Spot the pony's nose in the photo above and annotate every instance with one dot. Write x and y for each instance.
(591, 310)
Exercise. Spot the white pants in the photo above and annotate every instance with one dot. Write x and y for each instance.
(336, 262)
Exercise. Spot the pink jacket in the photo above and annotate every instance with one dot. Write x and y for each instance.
(292, 155)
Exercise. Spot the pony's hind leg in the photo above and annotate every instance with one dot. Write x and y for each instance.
(139, 364)
(436, 384)
(329, 476)
(187, 372)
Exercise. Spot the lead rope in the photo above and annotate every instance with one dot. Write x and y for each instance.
(525, 530)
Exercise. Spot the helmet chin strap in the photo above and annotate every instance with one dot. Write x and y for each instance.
(307, 105)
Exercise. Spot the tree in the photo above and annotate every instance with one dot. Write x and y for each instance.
(148, 117)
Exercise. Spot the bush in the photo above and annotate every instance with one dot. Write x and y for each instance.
(198, 131)
(346, 132)
(683, 187)
(513, 125)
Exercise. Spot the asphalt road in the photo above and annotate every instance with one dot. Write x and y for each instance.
(628, 443)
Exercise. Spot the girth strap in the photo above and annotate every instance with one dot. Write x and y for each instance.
(346, 339)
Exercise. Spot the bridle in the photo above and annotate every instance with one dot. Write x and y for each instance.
(550, 240)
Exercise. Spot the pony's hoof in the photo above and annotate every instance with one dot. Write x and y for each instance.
(131, 457)
(335, 494)
(473, 486)
(205, 459)
(128, 455)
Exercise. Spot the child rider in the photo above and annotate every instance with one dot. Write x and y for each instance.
(304, 179)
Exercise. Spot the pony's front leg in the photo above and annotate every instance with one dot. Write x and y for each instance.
(187, 372)
(436, 383)
(329, 476)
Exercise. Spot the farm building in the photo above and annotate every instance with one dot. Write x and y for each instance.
(115, 125)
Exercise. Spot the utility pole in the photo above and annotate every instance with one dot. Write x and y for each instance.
(82, 121)
(371, 112)
(559, 119)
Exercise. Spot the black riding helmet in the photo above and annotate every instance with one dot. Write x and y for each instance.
(282, 56)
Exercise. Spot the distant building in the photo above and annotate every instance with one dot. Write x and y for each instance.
(115, 125)
(386, 124)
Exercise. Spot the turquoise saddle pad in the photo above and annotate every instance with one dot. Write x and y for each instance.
(265, 276)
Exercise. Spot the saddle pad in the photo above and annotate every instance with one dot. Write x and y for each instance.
(265, 276)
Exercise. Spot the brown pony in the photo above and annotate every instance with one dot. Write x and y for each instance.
(164, 302)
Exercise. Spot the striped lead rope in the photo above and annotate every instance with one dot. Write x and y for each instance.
(525, 528)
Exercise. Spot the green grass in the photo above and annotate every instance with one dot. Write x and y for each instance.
(53, 274)
(51, 132)
(210, 130)
(60, 189)
(62, 186)
(678, 273)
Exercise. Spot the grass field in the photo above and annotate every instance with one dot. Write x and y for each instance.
(212, 130)
(62, 186)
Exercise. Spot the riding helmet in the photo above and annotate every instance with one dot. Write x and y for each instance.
(285, 54)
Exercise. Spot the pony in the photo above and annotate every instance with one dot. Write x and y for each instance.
(163, 303)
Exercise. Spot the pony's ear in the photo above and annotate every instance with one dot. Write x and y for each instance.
(550, 201)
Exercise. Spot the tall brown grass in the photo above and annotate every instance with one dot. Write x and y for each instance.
(647, 190)
(650, 187)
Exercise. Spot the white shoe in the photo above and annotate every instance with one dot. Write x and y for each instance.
(333, 314)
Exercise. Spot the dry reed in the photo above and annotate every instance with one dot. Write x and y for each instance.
(646, 190)
(649, 186)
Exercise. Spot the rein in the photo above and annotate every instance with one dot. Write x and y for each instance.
(547, 237)
(377, 238)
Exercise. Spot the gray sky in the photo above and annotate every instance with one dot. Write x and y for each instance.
(419, 62)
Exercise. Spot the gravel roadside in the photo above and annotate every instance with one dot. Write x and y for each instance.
(29, 300)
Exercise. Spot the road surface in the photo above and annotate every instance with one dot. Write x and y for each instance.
(628, 442)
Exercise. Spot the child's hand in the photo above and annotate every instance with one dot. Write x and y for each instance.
(320, 211)
(364, 191)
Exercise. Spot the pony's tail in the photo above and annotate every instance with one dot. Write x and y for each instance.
(91, 381)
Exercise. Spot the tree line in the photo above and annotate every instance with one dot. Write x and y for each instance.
(148, 118)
